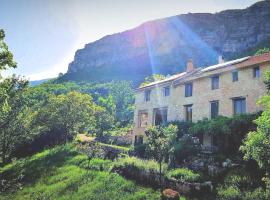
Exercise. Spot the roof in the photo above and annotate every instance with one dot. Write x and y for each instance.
(238, 63)
(253, 60)
(170, 78)
(225, 64)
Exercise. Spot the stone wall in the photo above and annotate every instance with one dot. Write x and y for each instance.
(152, 179)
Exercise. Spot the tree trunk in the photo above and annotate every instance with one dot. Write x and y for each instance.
(160, 184)
(4, 160)
(4, 150)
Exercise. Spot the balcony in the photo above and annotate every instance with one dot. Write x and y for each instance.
(209, 149)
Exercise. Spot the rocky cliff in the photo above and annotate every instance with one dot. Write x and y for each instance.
(164, 45)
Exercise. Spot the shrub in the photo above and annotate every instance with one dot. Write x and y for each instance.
(228, 193)
(140, 150)
(185, 147)
(183, 174)
(258, 193)
(245, 178)
(182, 127)
(122, 131)
(229, 132)
(261, 193)
(245, 183)
(238, 178)
(217, 126)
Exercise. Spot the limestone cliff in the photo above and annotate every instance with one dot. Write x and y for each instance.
(164, 45)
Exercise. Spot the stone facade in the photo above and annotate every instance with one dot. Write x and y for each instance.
(247, 87)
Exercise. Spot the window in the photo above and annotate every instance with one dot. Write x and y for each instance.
(256, 72)
(235, 76)
(188, 89)
(188, 111)
(143, 119)
(160, 116)
(214, 140)
(214, 109)
(167, 91)
(239, 106)
(215, 82)
(138, 139)
(147, 94)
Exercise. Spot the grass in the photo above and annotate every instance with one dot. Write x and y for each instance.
(146, 165)
(120, 131)
(83, 138)
(183, 174)
(63, 173)
(121, 148)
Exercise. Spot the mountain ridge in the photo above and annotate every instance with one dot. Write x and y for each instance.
(164, 45)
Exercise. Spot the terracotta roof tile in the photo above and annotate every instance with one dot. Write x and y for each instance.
(255, 60)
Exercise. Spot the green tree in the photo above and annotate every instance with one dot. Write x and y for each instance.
(104, 121)
(116, 97)
(160, 144)
(15, 116)
(123, 96)
(67, 114)
(152, 78)
(108, 103)
(262, 51)
(6, 57)
(257, 143)
(267, 80)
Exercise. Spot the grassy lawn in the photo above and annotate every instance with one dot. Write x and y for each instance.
(60, 173)
(123, 149)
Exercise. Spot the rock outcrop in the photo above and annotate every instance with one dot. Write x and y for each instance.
(164, 45)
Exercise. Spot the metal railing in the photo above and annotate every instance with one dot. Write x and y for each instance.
(209, 149)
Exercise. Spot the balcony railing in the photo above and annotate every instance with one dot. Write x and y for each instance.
(209, 149)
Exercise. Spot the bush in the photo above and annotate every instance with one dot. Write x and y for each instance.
(246, 177)
(185, 147)
(140, 150)
(238, 178)
(258, 193)
(228, 193)
(183, 174)
(217, 126)
(246, 182)
(122, 131)
(183, 127)
(229, 132)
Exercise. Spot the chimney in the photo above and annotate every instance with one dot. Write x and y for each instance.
(220, 59)
(189, 66)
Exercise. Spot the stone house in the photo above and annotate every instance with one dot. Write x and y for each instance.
(227, 88)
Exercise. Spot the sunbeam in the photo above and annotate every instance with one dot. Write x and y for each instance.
(187, 34)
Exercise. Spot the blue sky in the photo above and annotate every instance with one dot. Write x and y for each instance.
(44, 34)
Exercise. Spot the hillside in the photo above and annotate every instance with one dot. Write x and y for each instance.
(164, 45)
(38, 82)
(60, 173)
